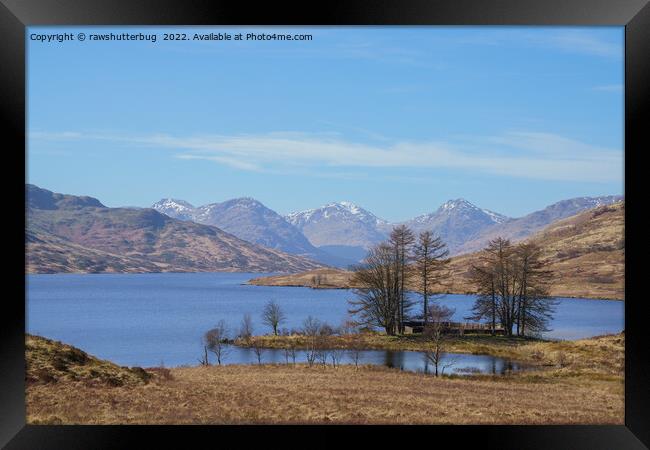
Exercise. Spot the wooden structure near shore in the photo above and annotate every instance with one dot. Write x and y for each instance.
(459, 328)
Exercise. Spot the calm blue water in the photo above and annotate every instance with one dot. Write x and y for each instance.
(149, 319)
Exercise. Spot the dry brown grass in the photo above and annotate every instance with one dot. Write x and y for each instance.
(286, 394)
(579, 388)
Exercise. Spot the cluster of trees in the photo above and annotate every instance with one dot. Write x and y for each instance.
(511, 281)
(513, 288)
(216, 339)
(383, 299)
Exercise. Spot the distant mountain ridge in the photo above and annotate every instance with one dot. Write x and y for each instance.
(348, 229)
(79, 234)
(523, 227)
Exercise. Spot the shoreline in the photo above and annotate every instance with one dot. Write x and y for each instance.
(252, 282)
(576, 297)
(516, 349)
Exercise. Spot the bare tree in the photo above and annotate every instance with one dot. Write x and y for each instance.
(348, 327)
(292, 350)
(273, 316)
(534, 306)
(336, 355)
(322, 342)
(311, 329)
(512, 286)
(430, 255)
(258, 350)
(356, 348)
(377, 299)
(485, 277)
(204, 359)
(216, 340)
(246, 328)
(435, 334)
(401, 240)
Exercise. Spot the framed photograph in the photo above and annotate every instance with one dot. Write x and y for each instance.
(367, 215)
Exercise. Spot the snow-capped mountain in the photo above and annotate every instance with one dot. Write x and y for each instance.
(178, 209)
(456, 221)
(339, 224)
(250, 220)
(340, 233)
(522, 227)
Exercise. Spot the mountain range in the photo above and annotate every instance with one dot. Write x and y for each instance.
(250, 220)
(339, 234)
(68, 233)
(78, 233)
(585, 252)
(464, 227)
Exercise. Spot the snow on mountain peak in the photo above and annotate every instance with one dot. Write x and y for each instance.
(458, 203)
(341, 210)
(462, 204)
(172, 203)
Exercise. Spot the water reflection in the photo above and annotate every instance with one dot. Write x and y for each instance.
(412, 361)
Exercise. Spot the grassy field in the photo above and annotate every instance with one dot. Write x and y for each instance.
(577, 383)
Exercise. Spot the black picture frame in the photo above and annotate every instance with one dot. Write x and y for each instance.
(15, 15)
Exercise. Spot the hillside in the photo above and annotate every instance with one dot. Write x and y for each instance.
(585, 251)
(523, 227)
(48, 361)
(79, 234)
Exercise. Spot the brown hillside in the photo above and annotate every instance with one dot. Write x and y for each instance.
(586, 252)
(49, 361)
(76, 234)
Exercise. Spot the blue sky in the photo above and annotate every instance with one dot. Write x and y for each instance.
(397, 120)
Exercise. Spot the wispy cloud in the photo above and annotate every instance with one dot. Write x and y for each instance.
(567, 40)
(583, 42)
(515, 154)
